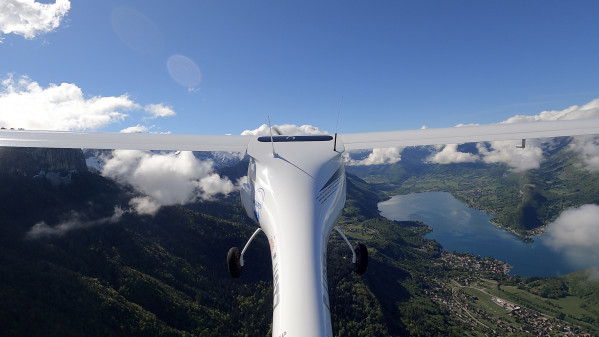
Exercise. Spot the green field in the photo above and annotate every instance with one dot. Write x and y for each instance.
(569, 308)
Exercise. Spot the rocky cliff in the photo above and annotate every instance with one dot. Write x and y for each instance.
(30, 161)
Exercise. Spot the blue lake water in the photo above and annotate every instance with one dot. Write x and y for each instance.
(460, 228)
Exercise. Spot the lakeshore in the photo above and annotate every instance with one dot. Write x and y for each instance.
(462, 229)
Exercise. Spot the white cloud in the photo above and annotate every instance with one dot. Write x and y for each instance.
(450, 154)
(576, 233)
(389, 155)
(593, 274)
(589, 110)
(506, 152)
(29, 18)
(285, 129)
(159, 110)
(135, 129)
(166, 178)
(144, 205)
(41, 229)
(58, 107)
(26, 104)
(587, 148)
(531, 156)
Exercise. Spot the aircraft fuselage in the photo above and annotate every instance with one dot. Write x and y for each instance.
(296, 196)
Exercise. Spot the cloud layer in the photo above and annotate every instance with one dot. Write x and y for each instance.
(588, 149)
(285, 129)
(506, 152)
(389, 155)
(589, 110)
(450, 154)
(136, 129)
(176, 178)
(576, 233)
(26, 104)
(159, 110)
(29, 18)
(530, 157)
(41, 229)
(165, 178)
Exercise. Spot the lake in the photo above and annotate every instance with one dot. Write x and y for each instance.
(460, 228)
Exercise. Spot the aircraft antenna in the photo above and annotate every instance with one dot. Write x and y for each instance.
(337, 125)
(272, 142)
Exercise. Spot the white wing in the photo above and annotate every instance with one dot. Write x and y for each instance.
(352, 141)
(122, 141)
(469, 134)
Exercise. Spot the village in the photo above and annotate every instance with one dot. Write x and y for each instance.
(466, 294)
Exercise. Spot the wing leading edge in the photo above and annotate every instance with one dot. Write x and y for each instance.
(122, 141)
(470, 134)
(352, 141)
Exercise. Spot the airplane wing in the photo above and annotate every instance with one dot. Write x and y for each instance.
(470, 134)
(122, 141)
(352, 141)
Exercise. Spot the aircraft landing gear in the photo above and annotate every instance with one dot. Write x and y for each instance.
(233, 261)
(359, 254)
(361, 263)
(235, 258)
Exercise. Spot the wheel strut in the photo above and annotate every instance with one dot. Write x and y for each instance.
(248, 244)
(353, 259)
(235, 258)
(359, 254)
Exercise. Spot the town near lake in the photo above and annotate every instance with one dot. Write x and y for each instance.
(477, 298)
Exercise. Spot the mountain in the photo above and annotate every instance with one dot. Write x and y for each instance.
(71, 265)
(221, 159)
(521, 201)
(93, 268)
(140, 275)
(30, 161)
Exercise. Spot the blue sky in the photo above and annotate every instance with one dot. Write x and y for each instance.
(397, 64)
(218, 67)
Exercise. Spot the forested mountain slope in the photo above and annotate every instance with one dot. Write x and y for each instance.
(75, 262)
(166, 274)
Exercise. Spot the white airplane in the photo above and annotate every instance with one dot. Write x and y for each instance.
(295, 193)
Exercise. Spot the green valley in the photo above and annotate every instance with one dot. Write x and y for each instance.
(522, 202)
(165, 275)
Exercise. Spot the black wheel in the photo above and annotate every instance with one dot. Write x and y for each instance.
(361, 259)
(233, 262)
